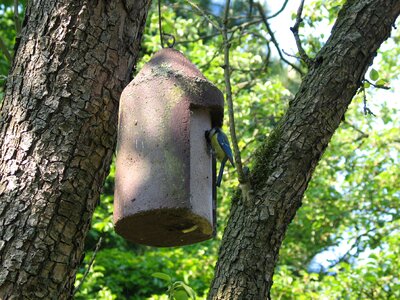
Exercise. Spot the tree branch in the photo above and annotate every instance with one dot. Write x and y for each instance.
(284, 163)
(215, 55)
(295, 30)
(355, 245)
(273, 39)
(232, 30)
(291, 55)
(3, 48)
(378, 86)
(98, 244)
(16, 18)
(367, 111)
(363, 134)
(227, 71)
(279, 11)
(205, 15)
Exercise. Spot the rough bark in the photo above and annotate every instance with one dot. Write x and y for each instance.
(285, 162)
(58, 132)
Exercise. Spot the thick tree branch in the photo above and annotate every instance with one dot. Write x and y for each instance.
(284, 164)
(58, 125)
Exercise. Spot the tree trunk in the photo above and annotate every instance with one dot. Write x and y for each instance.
(58, 132)
(284, 164)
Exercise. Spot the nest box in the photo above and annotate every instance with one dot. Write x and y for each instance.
(165, 182)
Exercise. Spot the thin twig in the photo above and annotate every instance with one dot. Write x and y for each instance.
(244, 26)
(279, 11)
(3, 48)
(367, 111)
(291, 55)
(347, 255)
(215, 55)
(295, 30)
(378, 86)
(227, 73)
(89, 266)
(274, 41)
(233, 30)
(205, 15)
(16, 18)
(363, 134)
(268, 56)
(242, 17)
(198, 39)
(355, 245)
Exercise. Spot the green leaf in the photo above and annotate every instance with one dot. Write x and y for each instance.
(374, 74)
(381, 82)
(189, 290)
(181, 295)
(366, 84)
(162, 276)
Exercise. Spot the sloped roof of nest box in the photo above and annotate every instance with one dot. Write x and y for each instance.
(172, 63)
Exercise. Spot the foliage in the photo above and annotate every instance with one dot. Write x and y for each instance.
(127, 274)
(7, 35)
(344, 241)
(176, 290)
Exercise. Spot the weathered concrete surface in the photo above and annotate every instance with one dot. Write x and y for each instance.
(163, 194)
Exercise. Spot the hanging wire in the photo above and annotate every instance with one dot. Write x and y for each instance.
(159, 24)
(171, 38)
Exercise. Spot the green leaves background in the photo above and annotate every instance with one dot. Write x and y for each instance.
(351, 202)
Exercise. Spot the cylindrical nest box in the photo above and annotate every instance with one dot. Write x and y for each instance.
(164, 175)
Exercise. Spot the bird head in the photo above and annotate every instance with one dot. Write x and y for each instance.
(213, 131)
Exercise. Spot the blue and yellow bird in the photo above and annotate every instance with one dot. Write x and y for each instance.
(222, 150)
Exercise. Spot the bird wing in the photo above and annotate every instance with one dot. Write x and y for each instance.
(224, 143)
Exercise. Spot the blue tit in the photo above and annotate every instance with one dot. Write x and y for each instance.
(222, 150)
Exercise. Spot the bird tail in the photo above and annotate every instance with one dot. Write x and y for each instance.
(221, 172)
(232, 162)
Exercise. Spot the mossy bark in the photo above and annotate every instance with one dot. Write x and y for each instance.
(285, 163)
(58, 131)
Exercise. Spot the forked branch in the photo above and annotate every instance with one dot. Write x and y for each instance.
(273, 39)
(295, 30)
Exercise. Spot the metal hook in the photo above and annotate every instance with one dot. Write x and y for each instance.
(170, 41)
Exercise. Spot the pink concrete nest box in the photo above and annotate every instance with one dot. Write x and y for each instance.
(164, 189)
